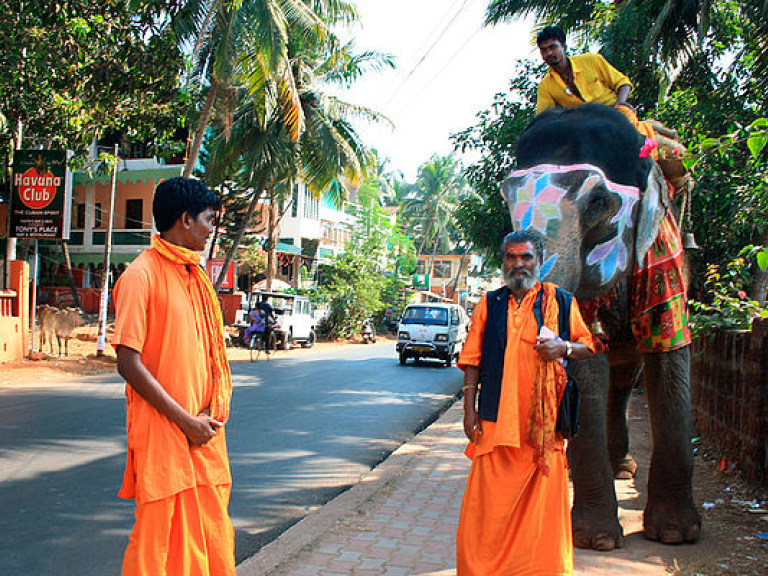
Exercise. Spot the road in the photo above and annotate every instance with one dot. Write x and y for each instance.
(303, 429)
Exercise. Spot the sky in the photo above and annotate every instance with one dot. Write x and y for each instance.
(448, 69)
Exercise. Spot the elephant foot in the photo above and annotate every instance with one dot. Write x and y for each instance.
(592, 533)
(624, 468)
(671, 525)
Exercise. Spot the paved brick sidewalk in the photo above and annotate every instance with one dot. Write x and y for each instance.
(401, 520)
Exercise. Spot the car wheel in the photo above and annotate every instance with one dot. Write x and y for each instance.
(287, 342)
(403, 358)
(449, 361)
(311, 340)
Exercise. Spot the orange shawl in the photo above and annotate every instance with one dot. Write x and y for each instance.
(547, 386)
(214, 324)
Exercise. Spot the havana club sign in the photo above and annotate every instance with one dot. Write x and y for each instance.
(38, 194)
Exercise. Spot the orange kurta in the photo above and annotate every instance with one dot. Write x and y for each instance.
(514, 519)
(159, 315)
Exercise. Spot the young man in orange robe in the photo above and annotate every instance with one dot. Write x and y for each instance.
(169, 340)
(515, 516)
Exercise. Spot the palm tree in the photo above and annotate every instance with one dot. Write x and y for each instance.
(328, 149)
(429, 210)
(244, 43)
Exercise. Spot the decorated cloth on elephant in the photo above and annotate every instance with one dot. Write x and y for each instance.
(659, 303)
(515, 513)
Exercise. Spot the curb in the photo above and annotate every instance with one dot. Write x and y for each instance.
(305, 532)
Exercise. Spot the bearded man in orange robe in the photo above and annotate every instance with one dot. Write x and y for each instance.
(515, 516)
(169, 339)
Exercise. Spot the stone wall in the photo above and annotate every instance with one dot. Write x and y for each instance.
(729, 392)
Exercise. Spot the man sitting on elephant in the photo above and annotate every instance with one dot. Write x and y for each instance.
(584, 79)
(573, 81)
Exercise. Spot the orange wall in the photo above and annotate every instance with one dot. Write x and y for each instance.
(134, 190)
(14, 330)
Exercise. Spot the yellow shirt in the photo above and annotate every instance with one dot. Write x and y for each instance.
(595, 78)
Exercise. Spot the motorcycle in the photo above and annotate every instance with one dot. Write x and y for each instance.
(368, 332)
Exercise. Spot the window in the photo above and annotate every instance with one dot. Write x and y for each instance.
(133, 214)
(97, 216)
(442, 269)
(427, 315)
(294, 200)
(79, 215)
(419, 267)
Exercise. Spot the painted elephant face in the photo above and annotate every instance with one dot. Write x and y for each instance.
(587, 223)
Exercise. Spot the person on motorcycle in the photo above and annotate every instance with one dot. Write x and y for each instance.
(368, 331)
(258, 326)
(268, 314)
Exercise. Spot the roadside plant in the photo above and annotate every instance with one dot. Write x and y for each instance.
(729, 308)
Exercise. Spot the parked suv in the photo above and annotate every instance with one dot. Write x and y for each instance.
(295, 322)
(432, 330)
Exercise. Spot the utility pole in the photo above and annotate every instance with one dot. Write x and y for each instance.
(105, 276)
(10, 243)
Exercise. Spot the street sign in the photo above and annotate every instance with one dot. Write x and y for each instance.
(214, 266)
(421, 281)
(38, 194)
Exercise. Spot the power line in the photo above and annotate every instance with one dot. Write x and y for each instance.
(414, 98)
(426, 54)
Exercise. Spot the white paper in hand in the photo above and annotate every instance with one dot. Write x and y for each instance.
(546, 334)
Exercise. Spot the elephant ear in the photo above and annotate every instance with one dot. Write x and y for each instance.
(653, 208)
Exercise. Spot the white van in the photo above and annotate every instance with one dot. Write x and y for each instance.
(432, 330)
(295, 321)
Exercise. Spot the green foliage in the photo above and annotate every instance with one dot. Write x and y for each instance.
(484, 219)
(728, 307)
(429, 209)
(366, 278)
(73, 69)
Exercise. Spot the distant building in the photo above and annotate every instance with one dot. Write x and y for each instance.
(451, 277)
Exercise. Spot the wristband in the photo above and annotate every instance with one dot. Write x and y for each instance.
(568, 349)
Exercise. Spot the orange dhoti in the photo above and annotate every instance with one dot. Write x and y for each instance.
(186, 534)
(514, 519)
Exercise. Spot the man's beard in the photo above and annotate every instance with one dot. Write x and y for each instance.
(522, 282)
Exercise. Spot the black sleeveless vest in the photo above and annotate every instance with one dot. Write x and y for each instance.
(495, 343)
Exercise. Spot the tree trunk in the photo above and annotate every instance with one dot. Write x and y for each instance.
(70, 275)
(458, 273)
(271, 242)
(202, 125)
(759, 287)
(273, 235)
(236, 243)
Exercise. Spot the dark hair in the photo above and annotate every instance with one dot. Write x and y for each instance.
(521, 236)
(551, 33)
(177, 195)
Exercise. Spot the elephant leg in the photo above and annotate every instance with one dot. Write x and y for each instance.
(619, 391)
(670, 514)
(594, 515)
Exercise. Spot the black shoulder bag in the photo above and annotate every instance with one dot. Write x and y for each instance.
(568, 411)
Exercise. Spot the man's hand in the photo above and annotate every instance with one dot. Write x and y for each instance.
(621, 97)
(550, 348)
(201, 429)
(473, 428)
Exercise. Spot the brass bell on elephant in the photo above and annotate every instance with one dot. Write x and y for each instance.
(689, 241)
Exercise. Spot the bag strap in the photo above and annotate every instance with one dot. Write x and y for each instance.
(564, 300)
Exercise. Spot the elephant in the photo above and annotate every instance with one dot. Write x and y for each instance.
(581, 184)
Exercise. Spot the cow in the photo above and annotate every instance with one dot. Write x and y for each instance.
(58, 322)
